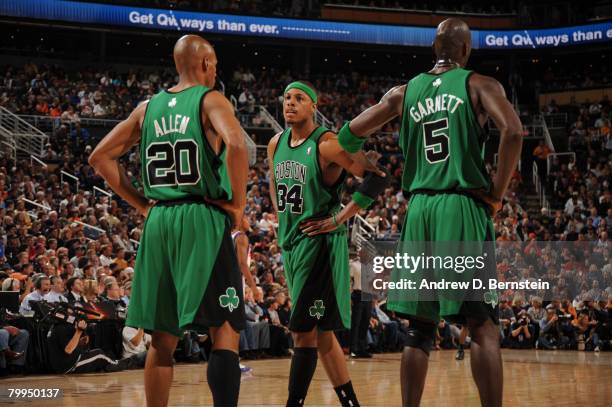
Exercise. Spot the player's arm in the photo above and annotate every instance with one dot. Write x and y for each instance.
(493, 100)
(271, 149)
(242, 251)
(354, 133)
(373, 184)
(105, 159)
(220, 113)
(373, 118)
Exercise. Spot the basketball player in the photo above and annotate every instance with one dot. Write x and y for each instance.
(307, 170)
(186, 270)
(442, 114)
(241, 246)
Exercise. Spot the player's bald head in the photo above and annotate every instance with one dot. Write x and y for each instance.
(190, 51)
(195, 58)
(453, 40)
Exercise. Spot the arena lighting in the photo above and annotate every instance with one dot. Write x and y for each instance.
(317, 30)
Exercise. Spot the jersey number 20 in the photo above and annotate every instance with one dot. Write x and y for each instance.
(435, 134)
(171, 164)
(290, 196)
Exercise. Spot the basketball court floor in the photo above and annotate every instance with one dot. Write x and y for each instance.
(532, 378)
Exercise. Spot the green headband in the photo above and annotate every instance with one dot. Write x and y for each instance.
(304, 88)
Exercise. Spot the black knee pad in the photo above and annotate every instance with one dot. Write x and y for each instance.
(421, 335)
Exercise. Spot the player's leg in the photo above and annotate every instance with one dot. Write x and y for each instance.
(223, 372)
(461, 343)
(415, 357)
(472, 223)
(422, 314)
(153, 306)
(159, 368)
(485, 360)
(208, 279)
(303, 366)
(334, 362)
(335, 278)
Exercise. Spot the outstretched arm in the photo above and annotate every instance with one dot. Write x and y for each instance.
(373, 118)
(105, 159)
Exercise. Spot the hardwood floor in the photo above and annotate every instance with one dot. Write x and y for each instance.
(533, 378)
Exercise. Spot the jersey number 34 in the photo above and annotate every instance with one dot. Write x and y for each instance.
(290, 196)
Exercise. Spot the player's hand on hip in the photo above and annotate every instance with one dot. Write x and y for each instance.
(495, 204)
(144, 211)
(232, 208)
(313, 227)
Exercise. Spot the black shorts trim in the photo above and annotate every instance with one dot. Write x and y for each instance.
(225, 276)
(319, 286)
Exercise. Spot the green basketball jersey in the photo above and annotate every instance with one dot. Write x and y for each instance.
(440, 137)
(177, 161)
(299, 188)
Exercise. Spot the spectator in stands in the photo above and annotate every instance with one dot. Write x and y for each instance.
(135, 344)
(56, 294)
(13, 347)
(260, 329)
(42, 286)
(74, 287)
(540, 154)
(11, 284)
(90, 291)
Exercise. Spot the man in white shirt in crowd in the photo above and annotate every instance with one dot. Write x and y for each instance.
(57, 290)
(42, 285)
(106, 256)
(136, 343)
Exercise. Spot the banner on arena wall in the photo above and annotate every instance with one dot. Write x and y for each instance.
(187, 21)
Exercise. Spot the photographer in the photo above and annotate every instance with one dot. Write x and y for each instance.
(550, 331)
(585, 331)
(68, 353)
(521, 332)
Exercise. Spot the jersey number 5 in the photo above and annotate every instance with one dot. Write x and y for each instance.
(436, 140)
(291, 196)
(173, 164)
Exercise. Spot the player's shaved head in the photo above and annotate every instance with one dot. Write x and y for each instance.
(193, 55)
(453, 41)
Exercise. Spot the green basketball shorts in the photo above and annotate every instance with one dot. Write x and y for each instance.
(186, 274)
(445, 217)
(318, 278)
